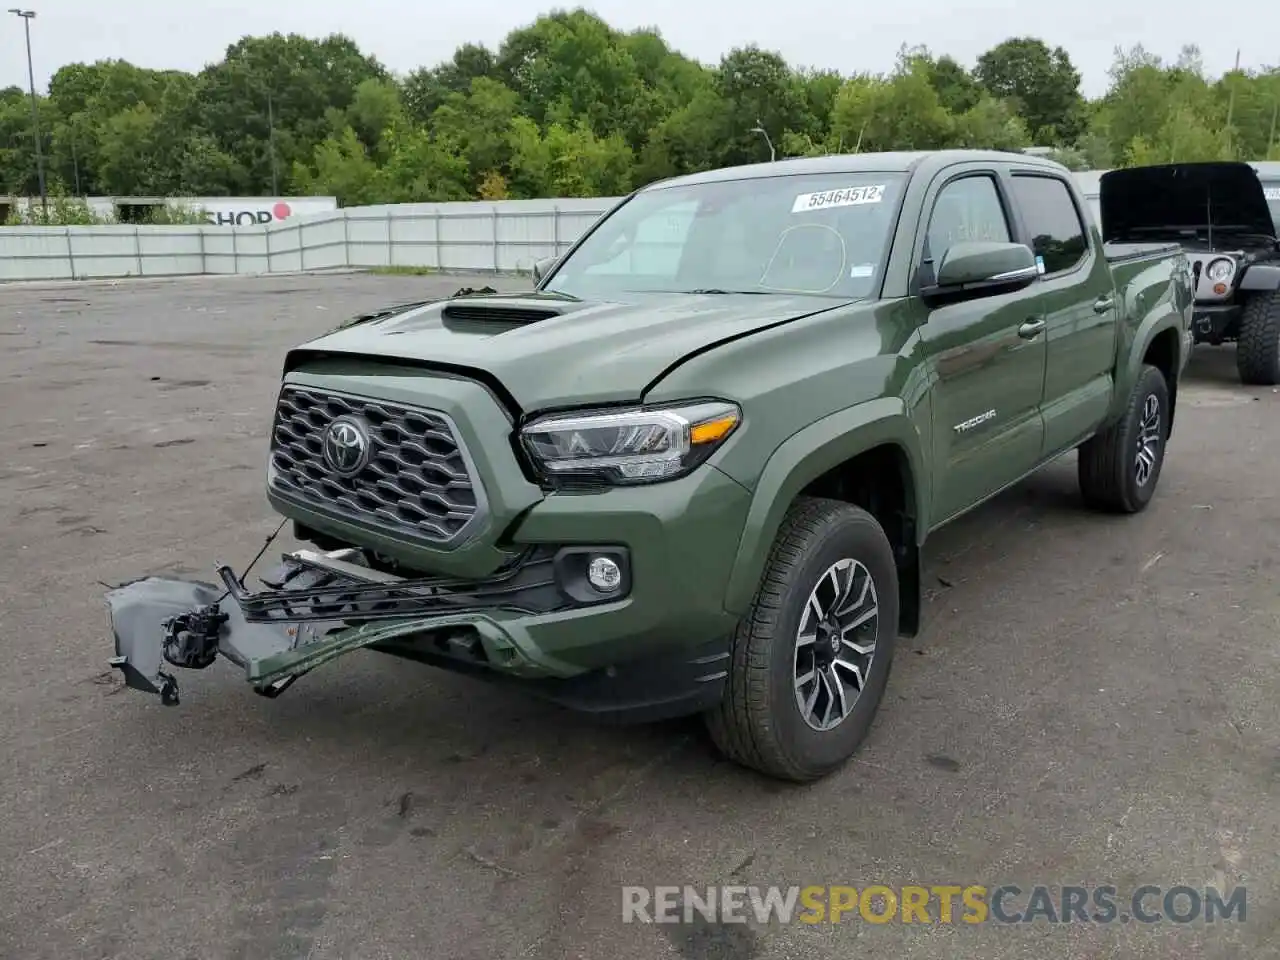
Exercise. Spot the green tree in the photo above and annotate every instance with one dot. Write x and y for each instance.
(425, 90)
(990, 124)
(479, 123)
(571, 65)
(422, 168)
(1042, 82)
(17, 147)
(569, 105)
(688, 140)
(289, 82)
(756, 87)
(1153, 113)
(900, 112)
(567, 162)
(375, 107)
(341, 167)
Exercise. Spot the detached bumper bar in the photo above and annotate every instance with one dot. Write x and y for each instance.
(317, 607)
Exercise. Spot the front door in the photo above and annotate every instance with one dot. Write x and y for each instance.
(986, 358)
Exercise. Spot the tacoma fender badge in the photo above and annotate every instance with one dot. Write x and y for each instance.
(977, 421)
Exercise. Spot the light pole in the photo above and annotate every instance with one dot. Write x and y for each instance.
(759, 128)
(27, 16)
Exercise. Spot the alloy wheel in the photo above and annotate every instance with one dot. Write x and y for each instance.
(835, 644)
(1149, 437)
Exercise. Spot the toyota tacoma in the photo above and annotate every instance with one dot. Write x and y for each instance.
(693, 469)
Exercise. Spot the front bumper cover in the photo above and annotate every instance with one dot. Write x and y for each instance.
(320, 606)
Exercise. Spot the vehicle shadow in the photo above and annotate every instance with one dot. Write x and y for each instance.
(1209, 364)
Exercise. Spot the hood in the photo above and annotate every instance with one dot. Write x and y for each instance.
(1146, 203)
(548, 351)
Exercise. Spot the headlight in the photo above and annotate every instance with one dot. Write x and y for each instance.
(1220, 270)
(629, 446)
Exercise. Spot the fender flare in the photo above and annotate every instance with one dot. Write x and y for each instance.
(1262, 276)
(803, 458)
(1155, 323)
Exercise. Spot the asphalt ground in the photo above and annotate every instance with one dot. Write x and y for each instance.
(1093, 702)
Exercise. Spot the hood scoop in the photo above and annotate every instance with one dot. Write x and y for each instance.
(503, 314)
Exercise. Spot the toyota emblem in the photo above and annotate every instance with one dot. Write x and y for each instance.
(346, 446)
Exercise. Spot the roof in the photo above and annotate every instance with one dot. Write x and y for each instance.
(897, 162)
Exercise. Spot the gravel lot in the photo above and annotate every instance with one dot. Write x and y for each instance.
(1094, 701)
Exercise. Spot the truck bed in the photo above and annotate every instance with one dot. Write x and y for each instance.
(1117, 253)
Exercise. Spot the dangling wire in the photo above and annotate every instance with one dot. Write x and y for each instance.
(266, 543)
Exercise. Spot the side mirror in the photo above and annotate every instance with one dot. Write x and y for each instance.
(542, 267)
(981, 267)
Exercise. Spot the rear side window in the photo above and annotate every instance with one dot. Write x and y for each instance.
(1057, 233)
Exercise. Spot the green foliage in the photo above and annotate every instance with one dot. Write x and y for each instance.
(569, 106)
(175, 213)
(62, 212)
(1042, 84)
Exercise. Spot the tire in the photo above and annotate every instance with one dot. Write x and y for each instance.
(1112, 478)
(1258, 352)
(760, 723)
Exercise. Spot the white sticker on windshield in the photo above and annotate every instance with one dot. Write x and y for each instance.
(862, 270)
(846, 197)
(1271, 193)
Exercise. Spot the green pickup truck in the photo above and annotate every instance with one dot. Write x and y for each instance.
(693, 470)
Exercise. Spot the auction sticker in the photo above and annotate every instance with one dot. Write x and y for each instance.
(845, 197)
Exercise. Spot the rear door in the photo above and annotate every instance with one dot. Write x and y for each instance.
(985, 358)
(1075, 294)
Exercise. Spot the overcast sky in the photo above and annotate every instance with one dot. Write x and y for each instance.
(405, 34)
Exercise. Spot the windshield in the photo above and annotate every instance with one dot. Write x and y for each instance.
(823, 235)
(1272, 190)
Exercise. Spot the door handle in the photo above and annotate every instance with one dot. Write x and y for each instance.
(1031, 329)
(1103, 304)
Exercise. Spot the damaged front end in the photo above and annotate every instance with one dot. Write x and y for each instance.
(316, 606)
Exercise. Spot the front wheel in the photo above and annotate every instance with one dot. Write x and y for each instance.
(810, 662)
(1120, 466)
(1258, 351)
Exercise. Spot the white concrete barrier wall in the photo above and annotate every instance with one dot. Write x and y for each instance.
(504, 236)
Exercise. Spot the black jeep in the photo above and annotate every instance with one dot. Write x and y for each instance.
(1218, 212)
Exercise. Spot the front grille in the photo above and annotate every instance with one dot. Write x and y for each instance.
(416, 481)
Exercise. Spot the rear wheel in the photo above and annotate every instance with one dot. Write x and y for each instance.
(810, 663)
(1258, 350)
(1120, 466)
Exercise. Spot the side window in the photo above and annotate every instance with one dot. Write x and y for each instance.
(1057, 234)
(966, 209)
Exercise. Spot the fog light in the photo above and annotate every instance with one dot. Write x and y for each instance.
(604, 574)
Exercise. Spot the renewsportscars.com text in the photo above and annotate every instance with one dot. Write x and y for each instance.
(935, 904)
